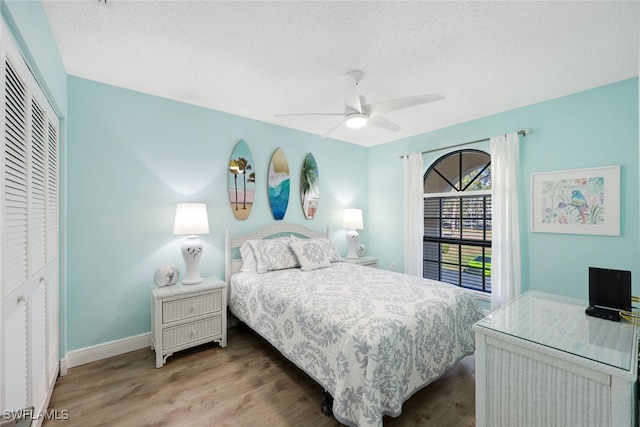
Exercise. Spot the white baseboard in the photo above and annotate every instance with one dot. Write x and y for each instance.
(103, 351)
(64, 366)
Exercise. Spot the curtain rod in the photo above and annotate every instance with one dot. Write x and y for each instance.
(524, 133)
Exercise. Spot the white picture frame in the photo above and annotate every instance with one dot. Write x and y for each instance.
(576, 201)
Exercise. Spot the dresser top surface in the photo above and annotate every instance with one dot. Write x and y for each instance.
(207, 283)
(360, 259)
(560, 322)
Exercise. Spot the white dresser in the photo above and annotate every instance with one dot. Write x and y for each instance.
(541, 361)
(183, 316)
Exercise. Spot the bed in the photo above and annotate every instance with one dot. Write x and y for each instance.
(370, 337)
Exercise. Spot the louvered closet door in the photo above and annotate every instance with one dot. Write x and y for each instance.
(14, 240)
(37, 227)
(51, 249)
(29, 233)
(15, 206)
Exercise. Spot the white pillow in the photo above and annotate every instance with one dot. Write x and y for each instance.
(311, 254)
(274, 254)
(249, 262)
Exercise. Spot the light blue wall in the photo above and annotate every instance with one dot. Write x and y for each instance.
(598, 127)
(132, 157)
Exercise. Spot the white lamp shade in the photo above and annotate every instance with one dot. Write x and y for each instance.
(353, 219)
(191, 218)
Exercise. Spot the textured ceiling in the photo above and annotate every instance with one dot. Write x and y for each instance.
(258, 59)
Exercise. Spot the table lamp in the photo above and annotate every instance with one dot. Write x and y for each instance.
(352, 221)
(191, 219)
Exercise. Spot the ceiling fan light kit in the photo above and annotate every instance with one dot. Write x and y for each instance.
(355, 120)
(357, 114)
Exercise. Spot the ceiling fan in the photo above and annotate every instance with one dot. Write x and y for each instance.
(358, 114)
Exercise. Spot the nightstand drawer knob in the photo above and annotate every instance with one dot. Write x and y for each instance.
(193, 333)
(193, 307)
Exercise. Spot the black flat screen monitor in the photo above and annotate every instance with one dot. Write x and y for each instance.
(610, 288)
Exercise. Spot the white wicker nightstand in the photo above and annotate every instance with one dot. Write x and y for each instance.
(183, 316)
(368, 261)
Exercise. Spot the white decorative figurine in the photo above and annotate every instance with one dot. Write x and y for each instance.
(361, 250)
(166, 275)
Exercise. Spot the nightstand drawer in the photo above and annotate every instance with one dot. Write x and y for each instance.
(184, 334)
(191, 307)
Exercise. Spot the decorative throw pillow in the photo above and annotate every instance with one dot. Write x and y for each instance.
(311, 254)
(274, 254)
(329, 248)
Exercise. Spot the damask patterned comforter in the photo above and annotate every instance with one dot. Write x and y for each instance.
(370, 337)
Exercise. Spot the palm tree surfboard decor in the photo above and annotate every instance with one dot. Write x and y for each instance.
(279, 184)
(242, 181)
(309, 186)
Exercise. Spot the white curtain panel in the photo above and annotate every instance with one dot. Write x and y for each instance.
(505, 239)
(413, 214)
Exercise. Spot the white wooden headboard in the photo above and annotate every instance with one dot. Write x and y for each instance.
(233, 260)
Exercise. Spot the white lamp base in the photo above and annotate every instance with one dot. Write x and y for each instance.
(192, 252)
(352, 242)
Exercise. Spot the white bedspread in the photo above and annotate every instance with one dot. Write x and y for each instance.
(370, 337)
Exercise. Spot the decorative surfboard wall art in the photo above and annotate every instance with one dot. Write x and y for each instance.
(242, 181)
(278, 184)
(309, 186)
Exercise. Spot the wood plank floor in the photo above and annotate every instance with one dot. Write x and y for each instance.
(248, 383)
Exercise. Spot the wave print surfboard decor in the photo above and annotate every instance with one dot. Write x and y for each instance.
(279, 184)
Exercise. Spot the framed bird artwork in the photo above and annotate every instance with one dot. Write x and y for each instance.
(577, 201)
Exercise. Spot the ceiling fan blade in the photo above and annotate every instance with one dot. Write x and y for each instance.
(351, 97)
(388, 106)
(381, 122)
(310, 114)
(333, 129)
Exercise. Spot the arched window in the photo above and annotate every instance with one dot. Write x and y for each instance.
(457, 220)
